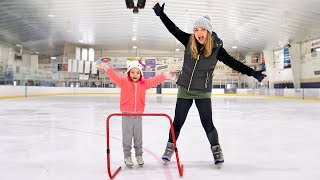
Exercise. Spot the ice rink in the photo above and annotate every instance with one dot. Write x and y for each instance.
(64, 138)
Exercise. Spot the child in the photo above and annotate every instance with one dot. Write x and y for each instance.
(132, 100)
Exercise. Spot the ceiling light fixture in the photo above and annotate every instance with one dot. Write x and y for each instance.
(134, 38)
(234, 47)
(134, 47)
(51, 15)
(177, 49)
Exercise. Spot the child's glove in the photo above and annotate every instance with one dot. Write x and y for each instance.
(168, 75)
(102, 64)
(176, 74)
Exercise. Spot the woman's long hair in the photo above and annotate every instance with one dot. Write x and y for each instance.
(207, 47)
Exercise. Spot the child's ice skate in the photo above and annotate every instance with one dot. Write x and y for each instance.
(166, 157)
(217, 155)
(128, 161)
(140, 160)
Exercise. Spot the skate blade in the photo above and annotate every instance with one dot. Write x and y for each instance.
(219, 165)
(129, 166)
(141, 165)
(165, 161)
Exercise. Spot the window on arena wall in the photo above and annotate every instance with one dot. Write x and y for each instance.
(84, 54)
(91, 54)
(78, 53)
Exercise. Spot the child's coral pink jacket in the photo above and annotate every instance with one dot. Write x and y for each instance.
(132, 96)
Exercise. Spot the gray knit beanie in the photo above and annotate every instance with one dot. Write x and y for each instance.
(203, 22)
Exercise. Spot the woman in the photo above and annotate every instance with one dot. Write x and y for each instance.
(203, 49)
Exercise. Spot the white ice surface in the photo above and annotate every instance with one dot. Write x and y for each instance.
(64, 138)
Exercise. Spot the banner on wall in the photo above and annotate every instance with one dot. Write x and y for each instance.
(94, 69)
(286, 58)
(65, 67)
(150, 69)
(54, 65)
(263, 62)
(74, 65)
(162, 64)
(315, 44)
(176, 64)
(69, 65)
(62, 67)
(78, 53)
(1, 71)
(83, 77)
(80, 66)
(167, 64)
(119, 62)
(87, 67)
(150, 64)
(8, 75)
(147, 75)
(278, 58)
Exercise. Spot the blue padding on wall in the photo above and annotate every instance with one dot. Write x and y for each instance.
(283, 85)
(310, 85)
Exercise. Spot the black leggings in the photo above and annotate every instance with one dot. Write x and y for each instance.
(205, 112)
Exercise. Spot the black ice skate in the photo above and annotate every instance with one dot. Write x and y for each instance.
(217, 155)
(168, 152)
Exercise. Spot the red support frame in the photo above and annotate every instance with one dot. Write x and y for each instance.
(180, 167)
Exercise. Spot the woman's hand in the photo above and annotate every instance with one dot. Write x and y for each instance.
(158, 10)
